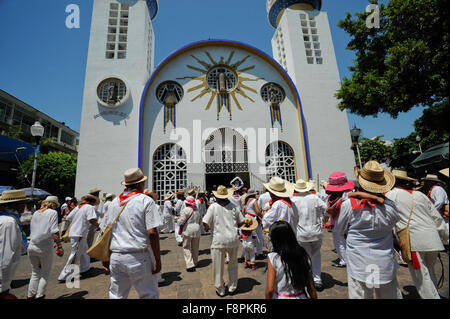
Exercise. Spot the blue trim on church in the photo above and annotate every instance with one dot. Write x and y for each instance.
(280, 5)
(152, 8)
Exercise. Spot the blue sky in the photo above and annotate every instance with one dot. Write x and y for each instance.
(42, 62)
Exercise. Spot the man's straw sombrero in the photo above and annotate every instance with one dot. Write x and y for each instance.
(402, 175)
(11, 196)
(168, 196)
(133, 176)
(279, 187)
(223, 192)
(249, 224)
(302, 187)
(373, 178)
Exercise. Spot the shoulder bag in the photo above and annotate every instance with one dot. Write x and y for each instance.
(100, 249)
(404, 237)
(180, 229)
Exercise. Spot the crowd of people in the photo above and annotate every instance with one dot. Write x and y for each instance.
(368, 218)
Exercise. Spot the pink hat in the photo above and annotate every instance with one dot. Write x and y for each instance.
(338, 182)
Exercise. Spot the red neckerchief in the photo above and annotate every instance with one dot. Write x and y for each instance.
(405, 189)
(81, 205)
(334, 207)
(191, 203)
(287, 201)
(313, 191)
(361, 203)
(201, 200)
(429, 193)
(123, 197)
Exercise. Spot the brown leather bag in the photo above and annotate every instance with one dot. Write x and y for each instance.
(404, 236)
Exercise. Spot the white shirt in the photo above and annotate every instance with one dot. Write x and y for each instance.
(168, 208)
(439, 197)
(263, 200)
(250, 208)
(280, 210)
(212, 200)
(80, 218)
(192, 224)
(130, 232)
(237, 201)
(201, 205)
(179, 206)
(310, 209)
(282, 283)
(224, 222)
(369, 245)
(99, 209)
(427, 227)
(10, 243)
(43, 225)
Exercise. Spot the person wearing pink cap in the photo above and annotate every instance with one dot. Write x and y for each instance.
(338, 189)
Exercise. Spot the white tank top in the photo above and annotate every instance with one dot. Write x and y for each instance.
(250, 208)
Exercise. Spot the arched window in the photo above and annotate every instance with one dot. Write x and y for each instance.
(169, 170)
(280, 161)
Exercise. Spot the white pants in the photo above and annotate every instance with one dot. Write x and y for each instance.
(359, 290)
(178, 238)
(260, 240)
(167, 224)
(132, 269)
(77, 256)
(41, 259)
(313, 250)
(339, 244)
(190, 250)
(218, 257)
(424, 278)
(7, 274)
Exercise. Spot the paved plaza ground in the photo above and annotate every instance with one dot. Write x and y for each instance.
(180, 284)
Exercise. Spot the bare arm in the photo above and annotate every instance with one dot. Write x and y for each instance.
(311, 289)
(270, 284)
(153, 235)
(362, 195)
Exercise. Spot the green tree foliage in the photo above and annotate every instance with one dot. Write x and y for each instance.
(402, 64)
(374, 150)
(55, 173)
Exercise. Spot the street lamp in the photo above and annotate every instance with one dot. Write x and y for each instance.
(37, 130)
(356, 132)
(418, 139)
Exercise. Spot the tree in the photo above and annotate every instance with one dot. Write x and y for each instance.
(374, 149)
(402, 64)
(55, 173)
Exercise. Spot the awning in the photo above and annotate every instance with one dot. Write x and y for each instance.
(437, 154)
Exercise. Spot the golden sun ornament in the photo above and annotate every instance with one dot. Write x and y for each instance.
(221, 79)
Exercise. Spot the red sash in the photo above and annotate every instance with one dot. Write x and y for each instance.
(361, 203)
(286, 201)
(334, 207)
(191, 203)
(429, 193)
(124, 197)
(405, 189)
(81, 205)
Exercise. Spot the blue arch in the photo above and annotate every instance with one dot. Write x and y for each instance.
(225, 42)
(153, 8)
(280, 5)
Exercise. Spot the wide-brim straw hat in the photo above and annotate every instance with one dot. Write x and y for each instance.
(223, 192)
(444, 172)
(373, 178)
(402, 175)
(52, 199)
(11, 196)
(89, 196)
(94, 190)
(133, 176)
(191, 192)
(168, 196)
(249, 223)
(109, 196)
(432, 177)
(279, 187)
(302, 187)
(180, 192)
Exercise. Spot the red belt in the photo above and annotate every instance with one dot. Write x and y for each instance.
(289, 296)
(251, 214)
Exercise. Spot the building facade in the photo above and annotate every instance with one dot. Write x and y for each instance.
(210, 112)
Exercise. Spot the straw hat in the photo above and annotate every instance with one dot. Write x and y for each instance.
(223, 192)
(191, 192)
(94, 190)
(302, 187)
(402, 175)
(279, 187)
(133, 176)
(373, 178)
(432, 177)
(444, 172)
(180, 192)
(168, 196)
(89, 196)
(52, 199)
(249, 224)
(11, 196)
(109, 196)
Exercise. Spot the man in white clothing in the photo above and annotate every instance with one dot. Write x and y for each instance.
(224, 219)
(82, 217)
(179, 206)
(168, 211)
(371, 264)
(309, 228)
(282, 208)
(12, 204)
(427, 233)
(135, 251)
(99, 211)
(435, 192)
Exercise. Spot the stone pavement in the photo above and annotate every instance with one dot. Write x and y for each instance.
(180, 284)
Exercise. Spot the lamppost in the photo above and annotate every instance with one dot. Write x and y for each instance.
(418, 139)
(37, 130)
(356, 132)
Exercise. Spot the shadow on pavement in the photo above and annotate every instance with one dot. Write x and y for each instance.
(76, 295)
(203, 263)
(412, 292)
(170, 277)
(204, 252)
(328, 281)
(164, 252)
(19, 283)
(246, 285)
(93, 272)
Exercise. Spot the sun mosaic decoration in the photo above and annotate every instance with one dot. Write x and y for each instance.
(222, 80)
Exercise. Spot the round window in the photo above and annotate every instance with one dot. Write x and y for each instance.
(272, 93)
(169, 93)
(221, 79)
(112, 92)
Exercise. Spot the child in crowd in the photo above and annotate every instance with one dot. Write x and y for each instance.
(248, 237)
(289, 274)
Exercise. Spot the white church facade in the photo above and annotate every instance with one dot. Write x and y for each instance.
(213, 110)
